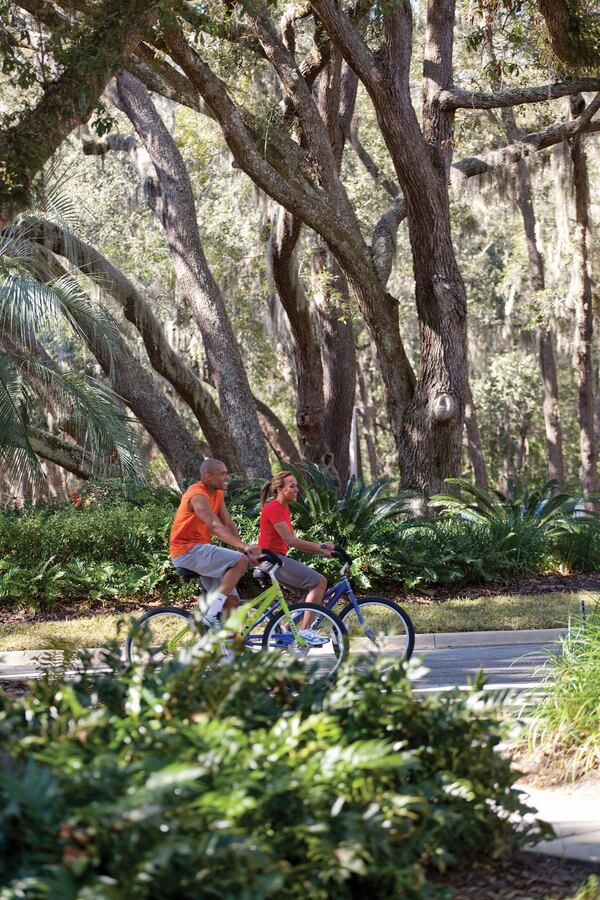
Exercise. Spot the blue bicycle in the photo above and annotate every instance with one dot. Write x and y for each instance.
(378, 629)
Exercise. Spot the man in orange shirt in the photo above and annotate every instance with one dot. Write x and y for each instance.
(201, 514)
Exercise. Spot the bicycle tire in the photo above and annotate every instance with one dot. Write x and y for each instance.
(142, 628)
(387, 646)
(317, 659)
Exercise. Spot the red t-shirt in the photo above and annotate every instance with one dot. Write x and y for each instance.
(268, 539)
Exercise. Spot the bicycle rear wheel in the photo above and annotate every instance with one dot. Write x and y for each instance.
(385, 635)
(322, 654)
(159, 635)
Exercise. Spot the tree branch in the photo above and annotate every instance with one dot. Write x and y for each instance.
(530, 143)
(276, 433)
(62, 453)
(90, 63)
(570, 36)
(460, 98)
(377, 174)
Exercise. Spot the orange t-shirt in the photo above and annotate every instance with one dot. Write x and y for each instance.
(187, 529)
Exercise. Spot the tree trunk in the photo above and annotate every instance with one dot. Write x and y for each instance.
(139, 391)
(310, 418)
(328, 213)
(545, 347)
(584, 313)
(368, 421)
(194, 276)
(336, 101)
(474, 443)
(165, 361)
(430, 438)
(332, 299)
(276, 433)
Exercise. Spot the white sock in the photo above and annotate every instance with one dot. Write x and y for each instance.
(218, 602)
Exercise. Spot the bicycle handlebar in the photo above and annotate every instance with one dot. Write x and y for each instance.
(341, 554)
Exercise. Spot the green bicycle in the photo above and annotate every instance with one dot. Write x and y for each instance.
(270, 624)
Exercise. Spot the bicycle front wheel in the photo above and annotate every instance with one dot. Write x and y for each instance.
(159, 635)
(378, 631)
(322, 647)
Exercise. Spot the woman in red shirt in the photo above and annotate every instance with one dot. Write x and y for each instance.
(276, 534)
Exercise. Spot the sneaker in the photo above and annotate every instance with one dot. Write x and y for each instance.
(213, 622)
(312, 637)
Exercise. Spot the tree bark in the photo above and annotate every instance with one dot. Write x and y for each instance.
(90, 63)
(474, 443)
(195, 278)
(276, 433)
(138, 390)
(310, 415)
(165, 361)
(68, 456)
(545, 347)
(584, 312)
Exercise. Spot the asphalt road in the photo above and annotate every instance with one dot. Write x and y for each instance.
(516, 666)
(510, 666)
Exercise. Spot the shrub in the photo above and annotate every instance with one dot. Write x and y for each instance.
(351, 517)
(234, 782)
(576, 544)
(566, 721)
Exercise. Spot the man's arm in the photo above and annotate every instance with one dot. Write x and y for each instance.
(201, 508)
(284, 531)
(227, 520)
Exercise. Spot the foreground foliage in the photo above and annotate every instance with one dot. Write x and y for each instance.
(200, 780)
(117, 544)
(566, 721)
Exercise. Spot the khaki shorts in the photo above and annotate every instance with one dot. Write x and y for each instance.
(295, 575)
(209, 562)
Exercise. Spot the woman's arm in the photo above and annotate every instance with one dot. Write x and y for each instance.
(284, 531)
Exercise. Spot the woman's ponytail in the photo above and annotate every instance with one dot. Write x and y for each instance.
(264, 493)
(272, 486)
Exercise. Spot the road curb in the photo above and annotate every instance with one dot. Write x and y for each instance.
(440, 641)
(449, 640)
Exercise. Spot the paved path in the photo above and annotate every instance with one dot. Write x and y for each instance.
(515, 666)
(575, 816)
(509, 659)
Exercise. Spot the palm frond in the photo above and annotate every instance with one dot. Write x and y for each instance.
(16, 454)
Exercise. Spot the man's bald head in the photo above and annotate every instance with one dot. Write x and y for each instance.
(214, 474)
(208, 466)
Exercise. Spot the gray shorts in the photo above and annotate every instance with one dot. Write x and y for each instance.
(210, 563)
(295, 575)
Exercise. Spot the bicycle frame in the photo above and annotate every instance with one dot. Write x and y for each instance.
(268, 600)
(336, 592)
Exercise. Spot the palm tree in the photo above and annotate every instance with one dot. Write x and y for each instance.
(49, 408)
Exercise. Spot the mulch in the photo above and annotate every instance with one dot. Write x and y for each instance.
(538, 584)
(526, 876)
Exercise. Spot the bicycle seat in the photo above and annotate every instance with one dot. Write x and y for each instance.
(186, 574)
(262, 578)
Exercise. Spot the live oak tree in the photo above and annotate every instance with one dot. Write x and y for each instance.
(286, 136)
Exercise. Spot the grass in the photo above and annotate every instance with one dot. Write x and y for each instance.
(565, 724)
(498, 613)
(502, 612)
